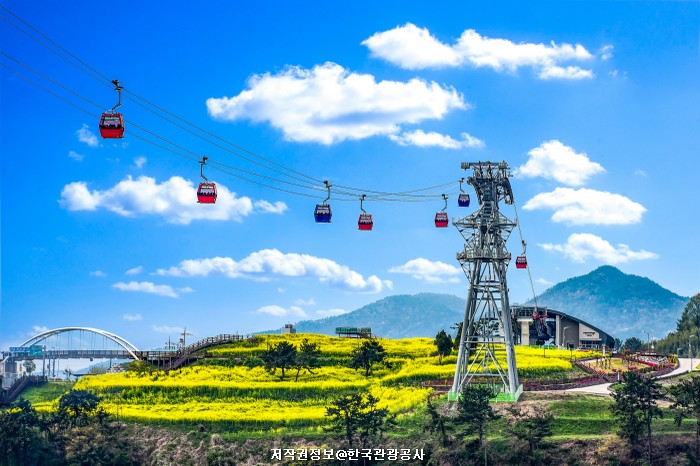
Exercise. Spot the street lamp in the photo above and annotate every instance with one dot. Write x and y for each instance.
(689, 352)
(647, 339)
(563, 335)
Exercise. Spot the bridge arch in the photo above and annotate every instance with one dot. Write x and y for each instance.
(130, 348)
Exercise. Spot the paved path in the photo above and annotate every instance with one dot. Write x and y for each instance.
(602, 389)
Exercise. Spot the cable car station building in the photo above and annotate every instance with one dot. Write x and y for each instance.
(563, 330)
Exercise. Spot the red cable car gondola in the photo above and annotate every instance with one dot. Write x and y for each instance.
(206, 192)
(322, 213)
(112, 123)
(521, 262)
(441, 219)
(365, 222)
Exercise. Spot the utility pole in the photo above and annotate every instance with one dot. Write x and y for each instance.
(184, 334)
(487, 327)
(690, 354)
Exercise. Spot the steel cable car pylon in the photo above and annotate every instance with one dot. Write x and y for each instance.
(112, 123)
(487, 329)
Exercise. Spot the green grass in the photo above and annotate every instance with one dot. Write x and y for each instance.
(46, 392)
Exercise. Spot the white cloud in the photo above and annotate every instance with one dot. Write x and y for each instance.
(587, 207)
(75, 156)
(606, 52)
(98, 273)
(132, 317)
(554, 160)
(271, 262)
(305, 302)
(139, 162)
(641, 173)
(166, 329)
(422, 139)
(134, 271)
(175, 200)
(269, 208)
(37, 329)
(330, 312)
(428, 271)
(186, 289)
(329, 104)
(543, 282)
(279, 311)
(88, 137)
(583, 246)
(411, 47)
(147, 287)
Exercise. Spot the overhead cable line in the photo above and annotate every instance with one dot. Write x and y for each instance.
(95, 74)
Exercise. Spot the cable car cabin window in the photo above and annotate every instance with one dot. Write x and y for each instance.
(112, 125)
(365, 222)
(463, 200)
(323, 213)
(441, 220)
(206, 193)
(521, 262)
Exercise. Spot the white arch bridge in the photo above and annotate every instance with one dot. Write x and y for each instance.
(94, 343)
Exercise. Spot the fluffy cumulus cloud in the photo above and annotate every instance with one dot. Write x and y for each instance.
(422, 139)
(147, 287)
(329, 104)
(139, 162)
(321, 313)
(98, 273)
(429, 271)
(175, 200)
(132, 317)
(268, 263)
(75, 156)
(166, 329)
(583, 246)
(280, 311)
(556, 161)
(135, 270)
(37, 329)
(88, 137)
(587, 207)
(411, 47)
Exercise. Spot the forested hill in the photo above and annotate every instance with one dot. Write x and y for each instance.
(621, 304)
(400, 316)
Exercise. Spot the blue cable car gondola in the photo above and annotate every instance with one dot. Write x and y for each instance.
(322, 213)
(463, 199)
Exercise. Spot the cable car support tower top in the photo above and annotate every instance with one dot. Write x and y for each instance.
(487, 330)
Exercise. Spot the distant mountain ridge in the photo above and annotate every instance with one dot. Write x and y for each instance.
(399, 316)
(620, 304)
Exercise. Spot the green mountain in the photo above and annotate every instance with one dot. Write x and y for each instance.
(621, 304)
(400, 316)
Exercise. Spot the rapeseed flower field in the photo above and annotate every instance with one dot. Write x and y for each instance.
(223, 389)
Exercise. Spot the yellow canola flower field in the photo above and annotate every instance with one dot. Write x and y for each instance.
(255, 398)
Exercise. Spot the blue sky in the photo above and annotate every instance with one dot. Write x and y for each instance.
(594, 105)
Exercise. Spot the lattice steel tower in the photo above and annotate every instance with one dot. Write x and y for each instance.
(487, 330)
